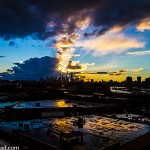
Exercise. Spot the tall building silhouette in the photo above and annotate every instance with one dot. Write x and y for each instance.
(139, 80)
(129, 81)
(147, 82)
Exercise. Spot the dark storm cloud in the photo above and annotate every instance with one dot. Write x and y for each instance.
(45, 18)
(20, 18)
(102, 72)
(111, 13)
(32, 69)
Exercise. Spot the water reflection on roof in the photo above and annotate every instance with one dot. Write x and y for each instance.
(43, 104)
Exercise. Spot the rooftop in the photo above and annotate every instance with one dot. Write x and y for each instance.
(98, 131)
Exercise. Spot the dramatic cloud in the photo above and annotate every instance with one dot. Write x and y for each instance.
(49, 18)
(111, 42)
(65, 51)
(120, 13)
(32, 69)
(66, 20)
(143, 25)
(75, 66)
(42, 19)
(64, 42)
(139, 52)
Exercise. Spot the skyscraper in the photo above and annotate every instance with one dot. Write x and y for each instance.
(129, 81)
(139, 79)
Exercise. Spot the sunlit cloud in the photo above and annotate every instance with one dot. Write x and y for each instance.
(64, 44)
(143, 25)
(116, 28)
(64, 50)
(64, 57)
(139, 52)
(137, 70)
(83, 24)
(75, 66)
(74, 36)
(110, 42)
(21, 62)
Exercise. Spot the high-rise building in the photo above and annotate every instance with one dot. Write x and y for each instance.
(147, 82)
(139, 79)
(129, 81)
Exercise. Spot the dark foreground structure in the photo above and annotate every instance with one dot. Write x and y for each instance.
(81, 116)
(98, 133)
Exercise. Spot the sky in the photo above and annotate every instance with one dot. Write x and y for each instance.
(101, 39)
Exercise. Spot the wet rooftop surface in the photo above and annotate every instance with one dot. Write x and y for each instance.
(3, 104)
(98, 131)
(43, 104)
(51, 104)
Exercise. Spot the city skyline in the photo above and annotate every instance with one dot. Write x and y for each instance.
(38, 39)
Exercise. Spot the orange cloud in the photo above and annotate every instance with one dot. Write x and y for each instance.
(143, 25)
(64, 42)
(83, 24)
(111, 42)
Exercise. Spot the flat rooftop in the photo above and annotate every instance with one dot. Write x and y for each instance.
(51, 104)
(98, 131)
(7, 103)
(43, 104)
